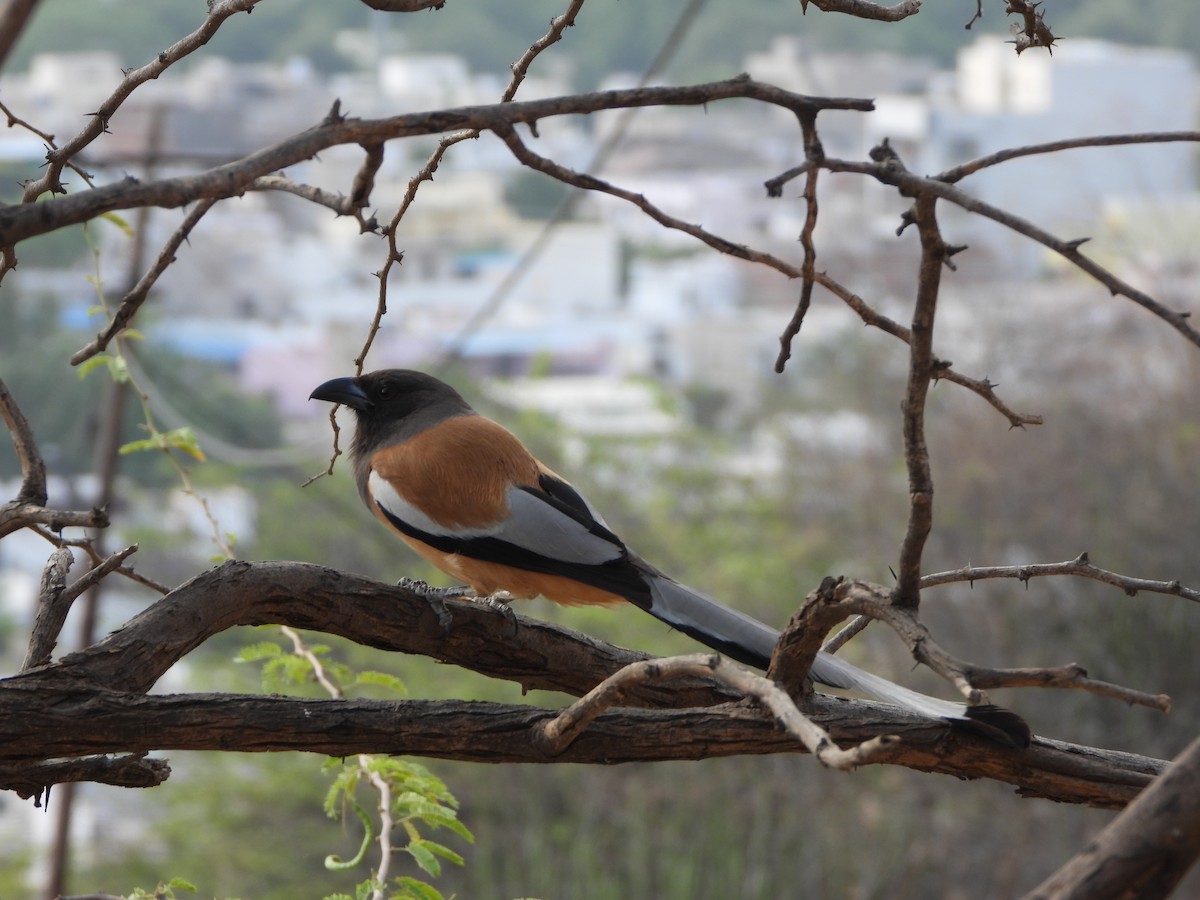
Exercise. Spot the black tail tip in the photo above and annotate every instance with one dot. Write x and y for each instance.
(997, 724)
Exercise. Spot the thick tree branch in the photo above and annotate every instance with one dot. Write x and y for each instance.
(40, 722)
(136, 771)
(92, 701)
(1146, 850)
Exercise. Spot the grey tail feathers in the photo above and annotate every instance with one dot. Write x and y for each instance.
(749, 641)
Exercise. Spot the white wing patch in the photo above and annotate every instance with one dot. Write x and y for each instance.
(397, 507)
(532, 524)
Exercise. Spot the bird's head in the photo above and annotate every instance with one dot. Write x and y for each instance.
(392, 405)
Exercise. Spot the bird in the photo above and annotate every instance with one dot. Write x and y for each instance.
(466, 494)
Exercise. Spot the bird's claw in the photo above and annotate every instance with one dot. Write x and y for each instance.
(426, 590)
(499, 601)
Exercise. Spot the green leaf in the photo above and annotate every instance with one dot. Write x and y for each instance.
(125, 227)
(382, 679)
(444, 852)
(258, 652)
(89, 365)
(425, 858)
(416, 890)
(117, 367)
(183, 439)
(182, 885)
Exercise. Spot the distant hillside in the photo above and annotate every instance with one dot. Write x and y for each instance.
(612, 35)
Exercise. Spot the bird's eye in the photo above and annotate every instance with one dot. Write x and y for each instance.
(384, 391)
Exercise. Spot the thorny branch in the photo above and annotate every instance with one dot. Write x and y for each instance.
(916, 186)
(58, 158)
(132, 301)
(394, 256)
(1081, 566)
(848, 597)
(921, 370)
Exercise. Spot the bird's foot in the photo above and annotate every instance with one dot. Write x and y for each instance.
(499, 601)
(426, 590)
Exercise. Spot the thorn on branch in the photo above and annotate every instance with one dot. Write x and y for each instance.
(885, 153)
(334, 116)
(950, 250)
(1074, 245)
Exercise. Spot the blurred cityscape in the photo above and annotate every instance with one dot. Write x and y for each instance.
(611, 294)
(590, 317)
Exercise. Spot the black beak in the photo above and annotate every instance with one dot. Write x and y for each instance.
(342, 390)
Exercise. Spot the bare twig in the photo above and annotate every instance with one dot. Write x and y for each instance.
(1069, 677)
(1033, 30)
(29, 506)
(556, 734)
(813, 151)
(558, 25)
(50, 182)
(862, 598)
(592, 183)
(958, 173)
(86, 545)
(14, 16)
(851, 630)
(339, 203)
(132, 301)
(55, 600)
(1079, 566)
(15, 121)
(33, 468)
(942, 370)
(913, 185)
(394, 256)
(364, 182)
(864, 9)
(920, 374)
